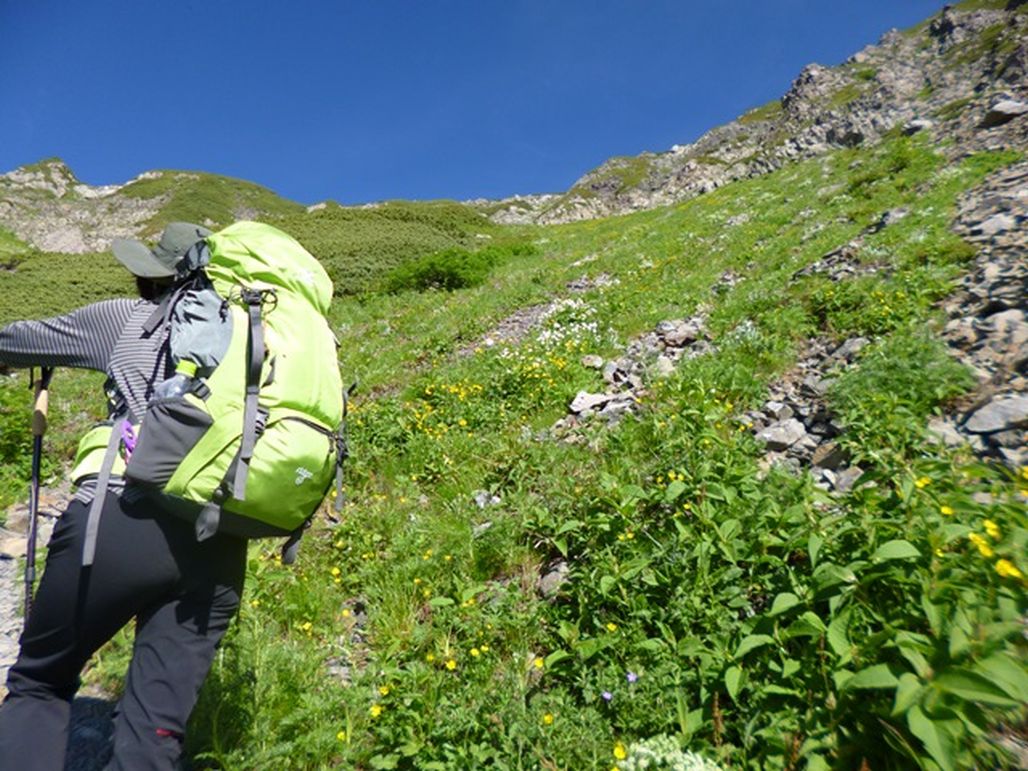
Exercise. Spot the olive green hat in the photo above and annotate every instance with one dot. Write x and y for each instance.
(161, 261)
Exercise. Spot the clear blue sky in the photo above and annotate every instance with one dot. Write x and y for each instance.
(415, 99)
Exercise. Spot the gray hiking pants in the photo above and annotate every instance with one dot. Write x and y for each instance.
(182, 595)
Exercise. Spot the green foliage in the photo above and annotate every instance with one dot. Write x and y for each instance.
(358, 247)
(208, 199)
(885, 402)
(452, 268)
(51, 284)
(765, 112)
(951, 110)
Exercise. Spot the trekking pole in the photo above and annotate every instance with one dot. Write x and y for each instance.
(42, 403)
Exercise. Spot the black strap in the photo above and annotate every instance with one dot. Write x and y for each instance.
(102, 482)
(255, 351)
(342, 447)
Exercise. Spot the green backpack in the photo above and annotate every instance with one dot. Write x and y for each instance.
(253, 444)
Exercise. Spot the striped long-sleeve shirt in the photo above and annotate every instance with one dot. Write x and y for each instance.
(106, 336)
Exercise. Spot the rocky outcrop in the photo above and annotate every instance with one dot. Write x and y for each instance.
(46, 206)
(963, 71)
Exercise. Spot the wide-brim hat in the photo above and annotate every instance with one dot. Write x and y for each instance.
(161, 261)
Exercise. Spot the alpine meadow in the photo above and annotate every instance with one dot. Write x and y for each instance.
(716, 460)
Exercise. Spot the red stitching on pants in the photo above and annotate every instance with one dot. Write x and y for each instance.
(166, 733)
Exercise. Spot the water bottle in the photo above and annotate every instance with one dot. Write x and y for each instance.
(178, 384)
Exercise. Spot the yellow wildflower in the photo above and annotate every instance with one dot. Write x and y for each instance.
(611, 626)
(620, 752)
(992, 529)
(538, 663)
(336, 571)
(946, 510)
(341, 736)
(451, 664)
(983, 546)
(922, 482)
(345, 613)
(376, 710)
(384, 690)
(429, 657)
(1007, 570)
(475, 652)
(548, 719)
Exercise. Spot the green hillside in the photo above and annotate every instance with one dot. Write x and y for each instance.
(207, 198)
(751, 616)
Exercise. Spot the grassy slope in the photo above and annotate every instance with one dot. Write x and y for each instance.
(742, 604)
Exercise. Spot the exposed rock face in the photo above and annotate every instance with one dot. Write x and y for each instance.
(46, 206)
(946, 77)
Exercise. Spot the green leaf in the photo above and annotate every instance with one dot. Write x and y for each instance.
(751, 643)
(1007, 674)
(555, 658)
(733, 678)
(784, 602)
(935, 735)
(567, 527)
(877, 676)
(895, 550)
(838, 637)
(933, 613)
(440, 602)
(653, 645)
(973, 687)
(607, 583)
(908, 693)
(674, 490)
(814, 544)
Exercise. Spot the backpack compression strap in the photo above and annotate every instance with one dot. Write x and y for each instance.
(100, 494)
(255, 355)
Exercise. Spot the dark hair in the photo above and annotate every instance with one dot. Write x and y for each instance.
(151, 288)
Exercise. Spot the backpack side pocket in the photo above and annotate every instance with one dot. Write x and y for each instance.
(171, 428)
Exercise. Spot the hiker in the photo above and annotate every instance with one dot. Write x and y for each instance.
(148, 564)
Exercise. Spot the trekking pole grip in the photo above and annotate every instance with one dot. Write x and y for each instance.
(42, 402)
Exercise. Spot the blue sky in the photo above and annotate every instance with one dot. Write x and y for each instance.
(364, 101)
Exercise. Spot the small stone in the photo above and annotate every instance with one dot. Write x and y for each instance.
(1003, 112)
(585, 401)
(847, 477)
(483, 498)
(917, 124)
(13, 548)
(551, 582)
(682, 335)
(778, 410)
(782, 435)
(999, 414)
(996, 224)
(829, 456)
(1012, 439)
(592, 361)
(945, 432)
(850, 348)
(983, 498)
(664, 367)
(611, 372)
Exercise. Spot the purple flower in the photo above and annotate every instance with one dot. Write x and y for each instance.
(631, 677)
(607, 695)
